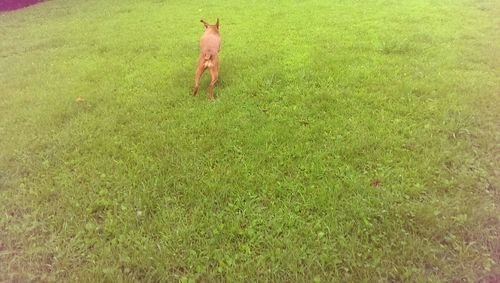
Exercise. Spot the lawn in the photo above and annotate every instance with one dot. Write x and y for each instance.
(350, 141)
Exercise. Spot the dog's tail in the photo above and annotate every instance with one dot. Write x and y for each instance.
(208, 62)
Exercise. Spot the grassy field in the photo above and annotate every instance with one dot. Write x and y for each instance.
(349, 141)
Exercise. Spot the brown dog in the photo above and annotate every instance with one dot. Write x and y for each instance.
(209, 56)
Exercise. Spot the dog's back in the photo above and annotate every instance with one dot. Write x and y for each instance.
(210, 45)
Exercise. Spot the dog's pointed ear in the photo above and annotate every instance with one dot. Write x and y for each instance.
(217, 24)
(204, 23)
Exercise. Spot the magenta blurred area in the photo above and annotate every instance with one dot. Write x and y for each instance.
(11, 5)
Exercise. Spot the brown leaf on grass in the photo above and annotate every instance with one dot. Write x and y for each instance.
(79, 99)
(375, 182)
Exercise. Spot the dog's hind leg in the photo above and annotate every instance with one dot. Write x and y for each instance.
(199, 71)
(214, 73)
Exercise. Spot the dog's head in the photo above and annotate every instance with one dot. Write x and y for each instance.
(211, 27)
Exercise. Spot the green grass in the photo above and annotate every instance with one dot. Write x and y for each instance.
(270, 182)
